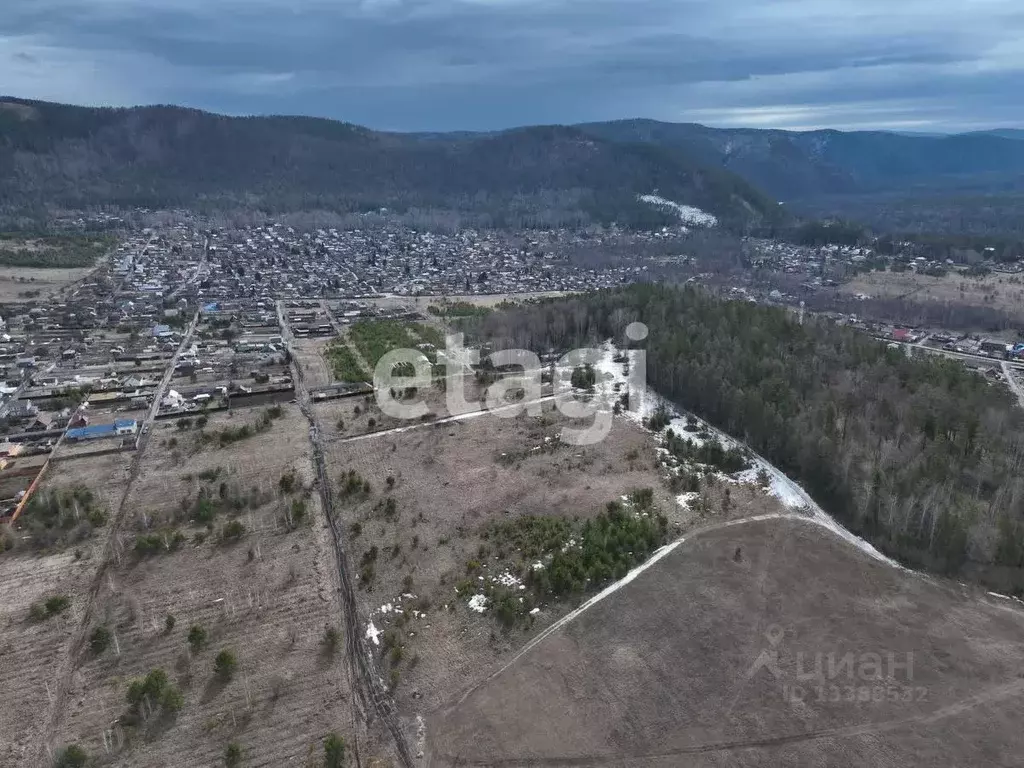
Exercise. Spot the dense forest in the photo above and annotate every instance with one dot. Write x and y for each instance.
(920, 456)
(158, 157)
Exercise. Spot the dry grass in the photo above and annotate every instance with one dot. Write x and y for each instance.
(30, 653)
(309, 354)
(659, 674)
(998, 291)
(450, 482)
(268, 596)
(15, 280)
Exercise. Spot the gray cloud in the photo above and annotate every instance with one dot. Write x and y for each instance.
(480, 64)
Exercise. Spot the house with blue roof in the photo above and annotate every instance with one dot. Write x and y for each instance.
(120, 428)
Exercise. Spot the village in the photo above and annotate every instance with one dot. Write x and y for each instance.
(180, 323)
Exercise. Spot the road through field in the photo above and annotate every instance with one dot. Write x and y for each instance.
(366, 680)
(111, 553)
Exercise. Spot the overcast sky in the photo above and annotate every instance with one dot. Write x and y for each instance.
(918, 65)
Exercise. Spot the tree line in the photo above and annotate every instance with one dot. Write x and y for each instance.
(922, 457)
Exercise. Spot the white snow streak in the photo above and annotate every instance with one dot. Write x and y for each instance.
(687, 213)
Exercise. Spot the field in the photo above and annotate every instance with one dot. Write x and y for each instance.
(730, 652)
(421, 303)
(31, 652)
(230, 539)
(421, 505)
(375, 338)
(210, 612)
(310, 357)
(21, 283)
(345, 366)
(47, 251)
(996, 291)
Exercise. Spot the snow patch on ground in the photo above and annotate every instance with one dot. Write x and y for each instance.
(685, 499)
(687, 213)
(643, 404)
(372, 634)
(509, 580)
(478, 603)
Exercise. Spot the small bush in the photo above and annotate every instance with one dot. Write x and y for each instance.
(57, 604)
(100, 639)
(225, 664)
(233, 755)
(72, 756)
(169, 622)
(152, 690)
(331, 639)
(287, 482)
(232, 531)
(334, 751)
(172, 699)
(197, 638)
(49, 607)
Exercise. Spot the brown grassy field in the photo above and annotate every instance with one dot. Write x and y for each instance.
(998, 291)
(268, 594)
(665, 672)
(15, 280)
(450, 481)
(31, 652)
(309, 354)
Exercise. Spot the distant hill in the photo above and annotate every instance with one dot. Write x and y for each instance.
(1005, 133)
(794, 165)
(53, 154)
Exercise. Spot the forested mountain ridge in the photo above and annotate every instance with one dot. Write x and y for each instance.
(791, 165)
(920, 456)
(52, 154)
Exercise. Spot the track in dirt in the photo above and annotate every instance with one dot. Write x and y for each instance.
(994, 694)
(111, 552)
(366, 679)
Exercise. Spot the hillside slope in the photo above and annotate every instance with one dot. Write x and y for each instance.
(793, 165)
(158, 156)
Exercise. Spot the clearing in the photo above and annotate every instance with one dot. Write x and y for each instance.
(223, 533)
(768, 643)
(421, 509)
(997, 291)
